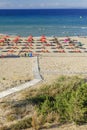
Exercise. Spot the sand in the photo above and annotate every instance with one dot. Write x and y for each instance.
(52, 67)
(14, 71)
(68, 127)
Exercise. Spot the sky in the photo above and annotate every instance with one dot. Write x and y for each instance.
(35, 4)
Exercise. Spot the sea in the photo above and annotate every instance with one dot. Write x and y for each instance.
(49, 22)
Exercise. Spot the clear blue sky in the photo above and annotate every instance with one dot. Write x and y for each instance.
(34, 4)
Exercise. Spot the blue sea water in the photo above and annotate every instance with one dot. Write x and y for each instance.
(50, 22)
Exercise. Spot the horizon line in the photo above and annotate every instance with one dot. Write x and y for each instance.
(39, 8)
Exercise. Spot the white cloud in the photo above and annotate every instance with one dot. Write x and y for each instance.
(29, 4)
(4, 5)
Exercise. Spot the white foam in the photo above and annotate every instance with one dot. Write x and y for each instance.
(83, 27)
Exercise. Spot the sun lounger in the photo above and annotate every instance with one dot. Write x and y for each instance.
(38, 51)
(4, 50)
(9, 56)
(55, 51)
(75, 51)
(85, 51)
(38, 47)
(61, 51)
(53, 47)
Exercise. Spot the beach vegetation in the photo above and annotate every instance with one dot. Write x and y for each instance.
(18, 125)
(3, 128)
(4, 78)
(22, 124)
(11, 117)
(63, 101)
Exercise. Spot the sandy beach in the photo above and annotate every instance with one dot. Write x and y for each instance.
(62, 58)
(52, 67)
(14, 71)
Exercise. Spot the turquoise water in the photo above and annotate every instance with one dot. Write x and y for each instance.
(47, 22)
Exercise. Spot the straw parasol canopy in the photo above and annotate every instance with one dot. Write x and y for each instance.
(6, 37)
(10, 52)
(43, 39)
(30, 38)
(16, 39)
(2, 40)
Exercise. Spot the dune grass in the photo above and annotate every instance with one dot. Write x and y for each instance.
(64, 101)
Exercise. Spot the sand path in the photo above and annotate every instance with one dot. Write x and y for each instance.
(37, 79)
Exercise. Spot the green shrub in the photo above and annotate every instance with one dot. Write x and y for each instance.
(46, 106)
(64, 101)
(67, 97)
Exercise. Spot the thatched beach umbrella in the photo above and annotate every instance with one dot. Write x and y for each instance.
(43, 39)
(16, 39)
(10, 51)
(67, 40)
(6, 37)
(30, 38)
(2, 40)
